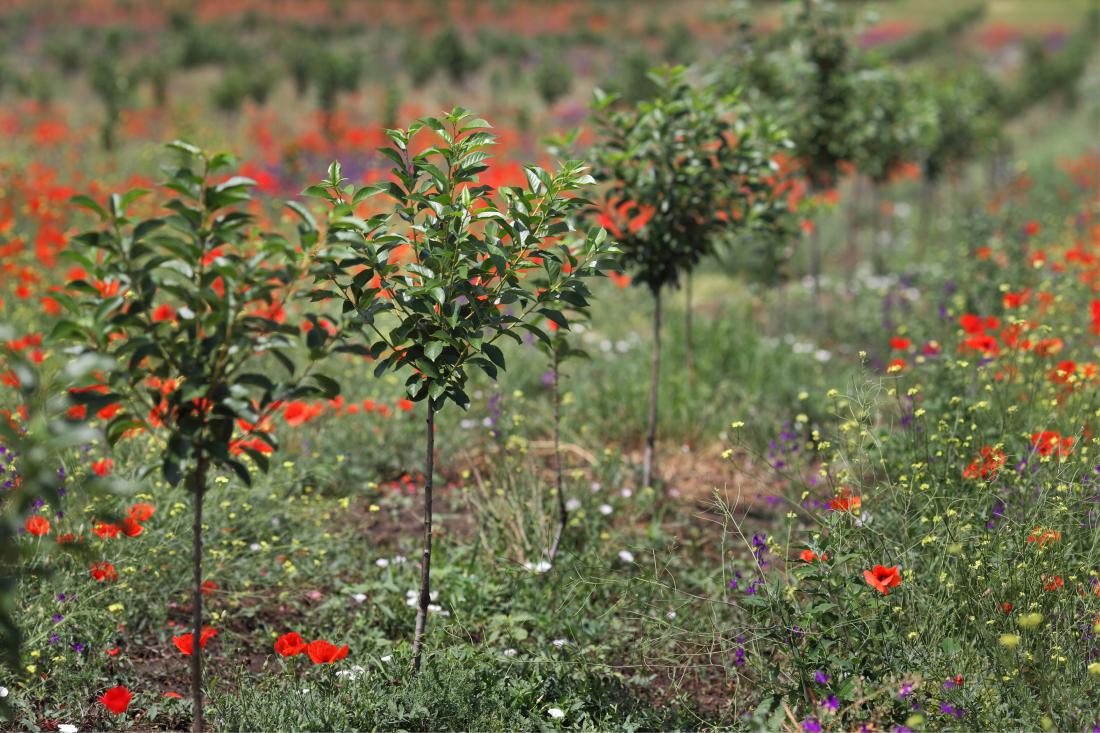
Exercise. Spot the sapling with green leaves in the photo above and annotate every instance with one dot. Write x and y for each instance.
(679, 168)
(188, 308)
(449, 268)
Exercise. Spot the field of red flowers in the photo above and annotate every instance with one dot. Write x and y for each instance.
(524, 366)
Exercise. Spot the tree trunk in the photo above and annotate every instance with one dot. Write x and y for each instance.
(426, 561)
(563, 513)
(198, 486)
(878, 257)
(688, 340)
(651, 433)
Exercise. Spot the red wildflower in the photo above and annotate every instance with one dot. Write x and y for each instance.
(102, 571)
(322, 652)
(164, 313)
(405, 405)
(883, 578)
(986, 465)
(845, 502)
(103, 468)
(186, 642)
(1049, 442)
(290, 645)
(141, 512)
(900, 343)
(116, 699)
(37, 525)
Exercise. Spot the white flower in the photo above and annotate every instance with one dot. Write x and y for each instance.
(360, 597)
(3, 692)
(627, 493)
(255, 547)
(382, 562)
(350, 674)
(467, 424)
(387, 658)
(399, 559)
(670, 615)
(67, 728)
(626, 555)
(539, 567)
(556, 713)
(605, 509)
(573, 505)
(559, 643)
(510, 652)
(596, 486)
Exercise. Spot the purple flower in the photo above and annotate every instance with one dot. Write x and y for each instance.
(905, 691)
(821, 678)
(832, 702)
(810, 725)
(78, 647)
(57, 618)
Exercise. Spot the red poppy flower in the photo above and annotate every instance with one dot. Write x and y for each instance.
(845, 502)
(173, 695)
(102, 571)
(986, 465)
(808, 555)
(883, 578)
(900, 343)
(208, 587)
(131, 528)
(107, 531)
(141, 512)
(102, 468)
(116, 699)
(290, 645)
(1049, 442)
(322, 652)
(37, 525)
(164, 313)
(405, 405)
(186, 642)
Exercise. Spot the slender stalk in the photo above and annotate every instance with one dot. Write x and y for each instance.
(426, 561)
(689, 341)
(563, 513)
(878, 256)
(198, 486)
(654, 376)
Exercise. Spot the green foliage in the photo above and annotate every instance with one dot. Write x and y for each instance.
(967, 108)
(892, 123)
(690, 162)
(191, 300)
(433, 284)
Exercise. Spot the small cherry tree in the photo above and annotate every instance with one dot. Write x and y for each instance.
(431, 285)
(680, 167)
(188, 307)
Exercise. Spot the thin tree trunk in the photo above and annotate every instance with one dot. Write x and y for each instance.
(878, 257)
(426, 561)
(688, 339)
(654, 377)
(815, 268)
(198, 486)
(563, 513)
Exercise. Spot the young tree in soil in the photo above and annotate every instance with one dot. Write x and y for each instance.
(432, 284)
(188, 309)
(679, 168)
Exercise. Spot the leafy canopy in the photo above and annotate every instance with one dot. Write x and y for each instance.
(680, 167)
(188, 308)
(448, 266)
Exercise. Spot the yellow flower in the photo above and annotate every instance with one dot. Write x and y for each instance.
(1009, 640)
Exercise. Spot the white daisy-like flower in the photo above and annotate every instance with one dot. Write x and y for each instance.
(255, 547)
(556, 713)
(359, 597)
(670, 615)
(538, 568)
(350, 674)
(573, 505)
(382, 562)
(626, 555)
(605, 509)
(559, 643)
(3, 691)
(627, 492)
(67, 728)
(399, 559)
(596, 486)
(510, 652)
(387, 658)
